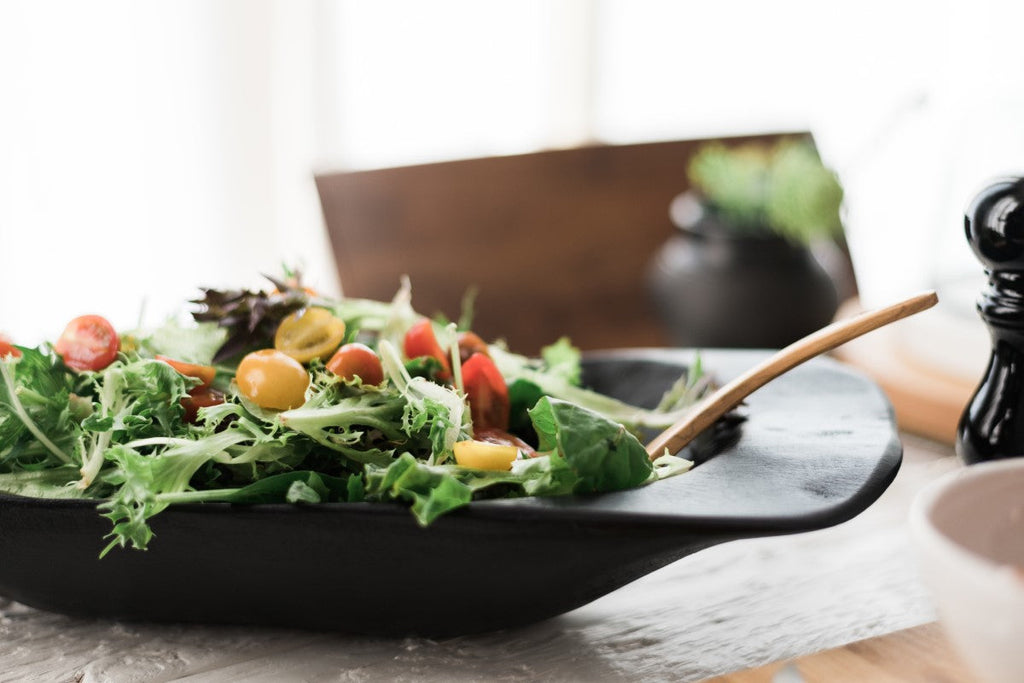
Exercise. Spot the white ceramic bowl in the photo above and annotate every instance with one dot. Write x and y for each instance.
(968, 529)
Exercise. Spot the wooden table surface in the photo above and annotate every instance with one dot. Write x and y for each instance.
(921, 653)
(729, 608)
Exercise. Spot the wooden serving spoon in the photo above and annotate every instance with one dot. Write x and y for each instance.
(673, 439)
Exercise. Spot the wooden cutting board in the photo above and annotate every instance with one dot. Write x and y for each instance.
(928, 396)
(916, 655)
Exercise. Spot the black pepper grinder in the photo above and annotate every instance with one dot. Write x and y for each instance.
(992, 425)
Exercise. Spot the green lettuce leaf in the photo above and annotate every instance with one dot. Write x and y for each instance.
(55, 482)
(432, 491)
(39, 412)
(602, 454)
(563, 360)
(345, 424)
(136, 400)
(292, 487)
(193, 343)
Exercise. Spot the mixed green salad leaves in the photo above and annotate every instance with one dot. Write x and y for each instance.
(128, 433)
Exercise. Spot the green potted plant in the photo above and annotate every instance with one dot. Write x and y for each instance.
(783, 190)
(739, 271)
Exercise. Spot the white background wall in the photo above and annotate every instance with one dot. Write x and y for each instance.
(150, 148)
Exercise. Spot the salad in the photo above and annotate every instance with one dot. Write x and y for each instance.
(286, 396)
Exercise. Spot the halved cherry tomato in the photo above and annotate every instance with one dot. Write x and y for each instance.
(487, 393)
(421, 341)
(485, 456)
(310, 333)
(272, 379)
(357, 360)
(89, 342)
(7, 348)
(503, 438)
(470, 343)
(204, 373)
(200, 397)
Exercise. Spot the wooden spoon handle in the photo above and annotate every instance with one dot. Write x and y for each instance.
(729, 396)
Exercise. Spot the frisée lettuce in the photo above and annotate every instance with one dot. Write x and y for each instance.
(129, 434)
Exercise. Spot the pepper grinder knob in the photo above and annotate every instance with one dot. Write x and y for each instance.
(992, 425)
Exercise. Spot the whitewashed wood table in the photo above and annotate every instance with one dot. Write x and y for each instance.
(727, 608)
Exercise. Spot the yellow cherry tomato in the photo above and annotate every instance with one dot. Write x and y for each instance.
(272, 379)
(480, 455)
(310, 333)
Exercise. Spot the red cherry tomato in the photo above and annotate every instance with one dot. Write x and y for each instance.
(89, 342)
(200, 397)
(487, 393)
(356, 360)
(7, 348)
(420, 341)
(204, 373)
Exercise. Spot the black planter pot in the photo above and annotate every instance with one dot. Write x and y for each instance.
(716, 288)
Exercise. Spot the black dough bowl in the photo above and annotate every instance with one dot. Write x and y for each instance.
(818, 447)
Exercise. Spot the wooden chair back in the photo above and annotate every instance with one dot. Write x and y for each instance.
(555, 243)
